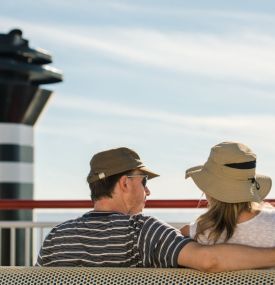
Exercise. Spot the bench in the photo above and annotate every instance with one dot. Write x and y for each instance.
(11, 275)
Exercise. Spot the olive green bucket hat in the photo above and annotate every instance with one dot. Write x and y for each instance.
(115, 161)
(229, 175)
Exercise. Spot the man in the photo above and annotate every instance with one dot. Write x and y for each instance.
(115, 233)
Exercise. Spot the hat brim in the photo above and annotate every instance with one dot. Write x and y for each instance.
(229, 190)
(147, 171)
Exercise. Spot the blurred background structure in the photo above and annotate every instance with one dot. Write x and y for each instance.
(22, 70)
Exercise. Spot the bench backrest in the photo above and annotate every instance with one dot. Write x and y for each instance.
(122, 276)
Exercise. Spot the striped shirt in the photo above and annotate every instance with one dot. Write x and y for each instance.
(112, 239)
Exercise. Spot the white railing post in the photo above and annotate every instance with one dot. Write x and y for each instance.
(41, 235)
(12, 246)
(27, 246)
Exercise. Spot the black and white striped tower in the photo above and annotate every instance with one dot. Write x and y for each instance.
(22, 70)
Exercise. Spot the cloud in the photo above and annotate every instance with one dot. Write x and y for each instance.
(167, 9)
(247, 56)
(176, 124)
(181, 11)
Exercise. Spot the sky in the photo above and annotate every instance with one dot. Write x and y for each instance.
(169, 79)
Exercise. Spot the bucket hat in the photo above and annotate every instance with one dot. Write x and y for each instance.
(229, 175)
(115, 161)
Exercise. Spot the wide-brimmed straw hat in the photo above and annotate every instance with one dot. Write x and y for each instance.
(229, 175)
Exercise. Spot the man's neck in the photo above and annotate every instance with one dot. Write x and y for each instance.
(108, 205)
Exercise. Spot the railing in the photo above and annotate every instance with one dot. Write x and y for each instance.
(9, 204)
(34, 232)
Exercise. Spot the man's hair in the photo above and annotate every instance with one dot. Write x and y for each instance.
(221, 217)
(105, 186)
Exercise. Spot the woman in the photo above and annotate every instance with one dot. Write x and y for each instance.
(234, 193)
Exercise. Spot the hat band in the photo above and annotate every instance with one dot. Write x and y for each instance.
(243, 165)
(225, 172)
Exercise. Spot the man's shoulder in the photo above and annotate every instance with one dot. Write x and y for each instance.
(93, 218)
(148, 220)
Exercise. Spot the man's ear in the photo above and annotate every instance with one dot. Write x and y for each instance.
(123, 183)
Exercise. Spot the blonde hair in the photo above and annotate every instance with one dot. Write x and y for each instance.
(220, 218)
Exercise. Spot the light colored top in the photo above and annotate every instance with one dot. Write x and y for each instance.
(110, 239)
(258, 231)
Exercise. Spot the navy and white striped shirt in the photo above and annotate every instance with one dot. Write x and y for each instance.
(112, 239)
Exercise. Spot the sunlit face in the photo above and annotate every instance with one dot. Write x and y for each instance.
(138, 191)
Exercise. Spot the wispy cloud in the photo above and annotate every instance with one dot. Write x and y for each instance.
(166, 9)
(241, 56)
(241, 123)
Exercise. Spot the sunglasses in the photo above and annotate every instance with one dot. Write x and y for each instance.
(144, 179)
